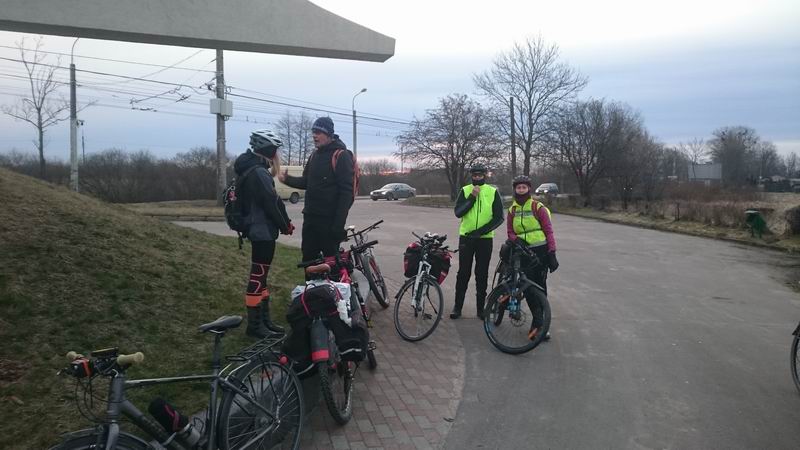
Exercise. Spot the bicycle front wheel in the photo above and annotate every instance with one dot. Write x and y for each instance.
(242, 423)
(336, 384)
(508, 322)
(418, 312)
(375, 279)
(795, 356)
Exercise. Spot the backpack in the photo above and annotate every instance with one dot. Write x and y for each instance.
(235, 214)
(356, 169)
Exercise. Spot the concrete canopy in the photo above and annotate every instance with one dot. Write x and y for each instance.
(288, 27)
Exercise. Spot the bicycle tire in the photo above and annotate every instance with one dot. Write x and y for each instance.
(375, 279)
(493, 320)
(281, 393)
(89, 441)
(418, 316)
(794, 357)
(337, 375)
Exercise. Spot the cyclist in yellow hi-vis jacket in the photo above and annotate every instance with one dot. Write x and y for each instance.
(480, 209)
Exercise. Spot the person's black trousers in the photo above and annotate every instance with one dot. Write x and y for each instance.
(317, 237)
(479, 249)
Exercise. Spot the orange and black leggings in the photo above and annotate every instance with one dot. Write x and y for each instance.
(260, 260)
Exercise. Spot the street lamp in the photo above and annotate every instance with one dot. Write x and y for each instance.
(355, 136)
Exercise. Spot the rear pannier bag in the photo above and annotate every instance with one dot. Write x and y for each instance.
(439, 260)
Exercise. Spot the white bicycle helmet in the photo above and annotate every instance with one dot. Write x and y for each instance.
(265, 142)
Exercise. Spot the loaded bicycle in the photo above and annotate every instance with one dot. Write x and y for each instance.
(419, 302)
(517, 313)
(365, 262)
(260, 404)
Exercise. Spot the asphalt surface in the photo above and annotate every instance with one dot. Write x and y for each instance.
(659, 341)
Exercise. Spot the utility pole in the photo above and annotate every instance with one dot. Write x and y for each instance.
(73, 123)
(513, 142)
(223, 109)
(83, 142)
(355, 136)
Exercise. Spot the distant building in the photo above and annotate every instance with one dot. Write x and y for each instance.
(708, 174)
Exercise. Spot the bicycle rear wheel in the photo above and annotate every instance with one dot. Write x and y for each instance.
(417, 313)
(375, 279)
(90, 440)
(336, 384)
(275, 387)
(794, 358)
(508, 332)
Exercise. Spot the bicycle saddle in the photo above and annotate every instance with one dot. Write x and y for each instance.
(320, 268)
(221, 324)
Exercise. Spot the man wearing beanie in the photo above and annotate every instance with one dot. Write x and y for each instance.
(480, 209)
(328, 179)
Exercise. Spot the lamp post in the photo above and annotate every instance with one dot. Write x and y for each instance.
(355, 136)
(73, 122)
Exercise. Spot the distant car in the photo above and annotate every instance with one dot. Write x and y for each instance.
(547, 189)
(393, 191)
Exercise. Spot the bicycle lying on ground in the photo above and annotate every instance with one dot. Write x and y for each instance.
(516, 305)
(261, 405)
(427, 263)
(365, 262)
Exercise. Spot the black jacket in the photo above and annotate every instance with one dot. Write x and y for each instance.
(266, 213)
(329, 194)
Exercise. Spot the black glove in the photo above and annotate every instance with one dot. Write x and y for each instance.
(552, 262)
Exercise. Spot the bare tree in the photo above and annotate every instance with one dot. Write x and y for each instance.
(453, 136)
(735, 149)
(791, 165)
(302, 139)
(696, 151)
(377, 167)
(768, 160)
(585, 134)
(532, 74)
(286, 129)
(40, 109)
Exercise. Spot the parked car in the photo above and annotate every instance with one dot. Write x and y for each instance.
(393, 191)
(547, 189)
(290, 193)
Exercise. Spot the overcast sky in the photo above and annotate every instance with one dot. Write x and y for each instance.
(688, 67)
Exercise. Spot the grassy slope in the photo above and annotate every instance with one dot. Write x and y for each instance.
(79, 274)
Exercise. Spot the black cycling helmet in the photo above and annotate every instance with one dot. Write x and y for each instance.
(265, 142)
(478, 168)
(521, 179)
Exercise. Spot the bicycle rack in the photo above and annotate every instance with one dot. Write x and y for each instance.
(250, 352)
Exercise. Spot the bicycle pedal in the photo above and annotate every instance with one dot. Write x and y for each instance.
(372, 345)
(427, 316)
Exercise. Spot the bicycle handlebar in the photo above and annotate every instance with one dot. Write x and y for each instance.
(361, 247)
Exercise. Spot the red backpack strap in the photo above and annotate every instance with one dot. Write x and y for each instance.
(356, 170)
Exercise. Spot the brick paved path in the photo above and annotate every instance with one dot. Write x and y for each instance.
(409, 401)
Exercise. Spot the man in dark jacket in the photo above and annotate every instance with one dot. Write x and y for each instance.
(265, 217)
(480, 208)
(328, 179)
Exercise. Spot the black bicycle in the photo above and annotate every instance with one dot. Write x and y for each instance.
(517, 313)
(261, 404)
(427, 263)
(366, 263)
(794, 357)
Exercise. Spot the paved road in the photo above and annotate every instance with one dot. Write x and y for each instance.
(659, 341)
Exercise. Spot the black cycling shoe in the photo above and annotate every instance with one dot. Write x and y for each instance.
(455, 314)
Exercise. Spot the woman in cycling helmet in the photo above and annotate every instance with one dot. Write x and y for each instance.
(529, 221)
(265, 217)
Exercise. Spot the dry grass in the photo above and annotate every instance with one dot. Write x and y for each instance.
(79, 274)
(181, 208)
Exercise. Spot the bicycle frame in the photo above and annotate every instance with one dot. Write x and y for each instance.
(118, 405)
